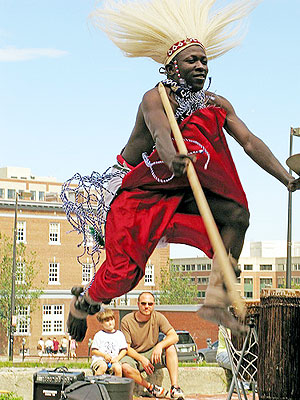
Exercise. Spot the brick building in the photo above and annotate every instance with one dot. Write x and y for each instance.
(42, 226)
(263, 265)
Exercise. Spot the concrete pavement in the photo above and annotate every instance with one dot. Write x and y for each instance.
(205, 397)
(209, 381)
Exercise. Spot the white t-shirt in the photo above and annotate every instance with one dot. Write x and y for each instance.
(109, 343)
(49, 343)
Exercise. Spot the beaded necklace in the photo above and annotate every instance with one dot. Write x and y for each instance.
(188, 101)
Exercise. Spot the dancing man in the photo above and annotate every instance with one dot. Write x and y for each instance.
(153, 198)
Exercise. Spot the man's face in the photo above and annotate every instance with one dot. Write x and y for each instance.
(146, 304)
(192, 64)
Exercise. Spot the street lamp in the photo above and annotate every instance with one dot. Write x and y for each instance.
(89, 348)
(13, 289)
(23, 348)
(13, 318)
(293, 132)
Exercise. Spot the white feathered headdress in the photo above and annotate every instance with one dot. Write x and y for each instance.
(159, 29)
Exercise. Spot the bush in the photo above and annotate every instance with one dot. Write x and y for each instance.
(10, 396)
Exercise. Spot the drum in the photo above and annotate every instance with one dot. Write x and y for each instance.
(278, 342)
(249, 363)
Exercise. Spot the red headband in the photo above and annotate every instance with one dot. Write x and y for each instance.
(177, 47)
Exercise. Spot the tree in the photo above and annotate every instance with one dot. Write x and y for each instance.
(177, 287)
(26, 294)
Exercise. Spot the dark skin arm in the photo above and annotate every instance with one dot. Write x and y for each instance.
(159, 127)
(254, 147)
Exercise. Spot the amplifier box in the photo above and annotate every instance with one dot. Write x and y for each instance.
(48, 384)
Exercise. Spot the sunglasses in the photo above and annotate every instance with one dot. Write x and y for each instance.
(144, 303)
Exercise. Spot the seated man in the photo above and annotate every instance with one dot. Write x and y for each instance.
(141, 330)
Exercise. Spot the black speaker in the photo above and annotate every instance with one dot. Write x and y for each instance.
(48, 384)
(117, 388)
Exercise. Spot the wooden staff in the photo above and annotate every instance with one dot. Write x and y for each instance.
(205, 212)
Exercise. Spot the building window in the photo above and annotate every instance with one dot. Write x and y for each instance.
(265, 267)
(295, 281)
(2, 193)
(296, 267)
(41, 196)
(248, 267)
(176, 268)
(281, 282)
(149, 275)
(265, 283)
(33, 195)
(23, 320)
(20, 273)
(21, 231)
(87, 272)
(203, 280)
(124, 302)
(54, 233)
(193, 267)
(53, 319)
(11, 193)
(280, 267)
(53, 273)
(248, 288)
(201, 294)
(203, 267)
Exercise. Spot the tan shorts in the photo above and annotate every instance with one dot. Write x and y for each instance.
(95, 366)
(138, 365)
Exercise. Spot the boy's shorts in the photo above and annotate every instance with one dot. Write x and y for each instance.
(139, 366)
(95, 366)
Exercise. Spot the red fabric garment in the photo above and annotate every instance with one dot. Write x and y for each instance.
(55, 345)
(145, 210)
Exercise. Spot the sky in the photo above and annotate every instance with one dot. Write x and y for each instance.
(68, 97)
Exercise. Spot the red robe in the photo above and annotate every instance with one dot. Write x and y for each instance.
(145, 210)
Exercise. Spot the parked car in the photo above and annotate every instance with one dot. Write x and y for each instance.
(209, 353)
(186, 346)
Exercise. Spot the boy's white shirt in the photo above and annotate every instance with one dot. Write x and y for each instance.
(109, 343)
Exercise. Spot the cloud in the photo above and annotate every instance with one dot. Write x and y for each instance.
(14, 54)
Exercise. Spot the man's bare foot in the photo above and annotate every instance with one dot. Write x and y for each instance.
(221, 316)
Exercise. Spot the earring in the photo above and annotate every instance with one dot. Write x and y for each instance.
(181, 80)
(209, 82)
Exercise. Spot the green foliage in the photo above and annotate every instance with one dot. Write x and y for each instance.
(10, 396)
(70, 364)
(176, 287)
(293, 284)
(26, 293)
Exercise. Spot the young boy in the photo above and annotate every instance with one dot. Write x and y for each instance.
(108, 347)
